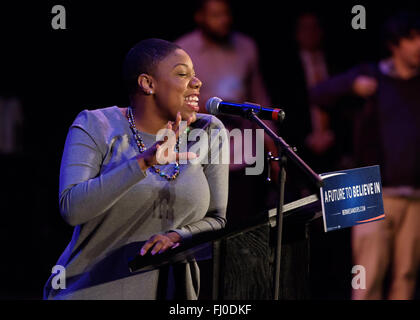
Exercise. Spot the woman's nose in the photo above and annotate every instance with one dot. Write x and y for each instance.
(196, 83)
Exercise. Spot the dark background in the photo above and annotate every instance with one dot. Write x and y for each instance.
(58, 73)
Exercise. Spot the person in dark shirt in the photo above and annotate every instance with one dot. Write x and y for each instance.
(387, 134)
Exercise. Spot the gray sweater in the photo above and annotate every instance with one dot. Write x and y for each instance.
(115, 207)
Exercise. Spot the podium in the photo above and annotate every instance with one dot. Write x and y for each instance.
(243, 256)
(243, 261)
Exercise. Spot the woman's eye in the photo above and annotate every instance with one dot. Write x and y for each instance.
(182, 74)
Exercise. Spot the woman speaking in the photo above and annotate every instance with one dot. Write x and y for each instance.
(125, 194)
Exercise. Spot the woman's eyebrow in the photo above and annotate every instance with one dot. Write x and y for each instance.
(180, 64)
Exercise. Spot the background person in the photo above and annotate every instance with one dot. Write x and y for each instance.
(388, 135)
(227, 61)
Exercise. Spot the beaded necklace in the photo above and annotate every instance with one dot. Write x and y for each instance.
(142, 147)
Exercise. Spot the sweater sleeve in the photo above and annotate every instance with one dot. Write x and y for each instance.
(85, 193)
(217, 175)
(327, 93)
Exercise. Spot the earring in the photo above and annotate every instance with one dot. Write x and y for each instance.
(150, 92)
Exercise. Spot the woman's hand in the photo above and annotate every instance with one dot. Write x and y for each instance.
(161, 243)
(162, 152)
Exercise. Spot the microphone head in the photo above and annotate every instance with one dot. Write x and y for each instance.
(281, 115)
(212, 105)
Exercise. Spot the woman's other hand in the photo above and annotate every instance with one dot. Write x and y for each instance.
(161, 242)
(162, 152)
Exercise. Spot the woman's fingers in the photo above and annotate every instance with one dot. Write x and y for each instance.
(164, 152)
(165, 246)
(176, 125)
(165, 149)
(147, 246)
(159, 243)
(190, 119)
(186, 156)
(175, 245)
(161, 246)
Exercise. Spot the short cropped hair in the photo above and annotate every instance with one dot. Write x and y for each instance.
(143, 58)
(201, 4)
(400, 26)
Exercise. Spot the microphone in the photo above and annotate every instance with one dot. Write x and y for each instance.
(216, 106)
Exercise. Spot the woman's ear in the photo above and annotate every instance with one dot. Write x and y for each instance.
(146, 84)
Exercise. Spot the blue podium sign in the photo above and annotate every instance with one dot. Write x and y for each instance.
(351, 197)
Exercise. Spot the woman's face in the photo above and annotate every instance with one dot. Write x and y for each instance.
(176, 86)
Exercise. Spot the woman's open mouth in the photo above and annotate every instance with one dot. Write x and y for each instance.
(192, 102)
